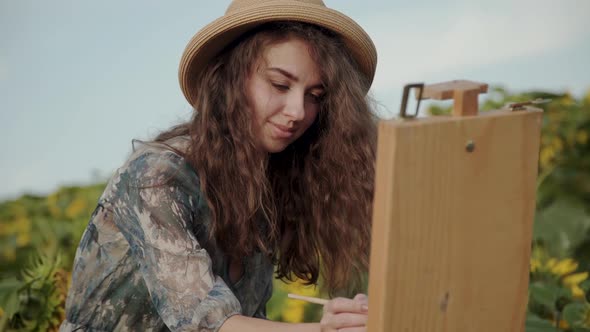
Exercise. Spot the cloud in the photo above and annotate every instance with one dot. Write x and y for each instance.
(416, 43)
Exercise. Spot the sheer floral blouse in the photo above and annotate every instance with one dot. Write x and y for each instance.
(145, 262)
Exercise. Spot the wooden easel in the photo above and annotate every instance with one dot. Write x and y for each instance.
(453, 216)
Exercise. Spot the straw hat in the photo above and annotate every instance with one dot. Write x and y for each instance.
(244, 15)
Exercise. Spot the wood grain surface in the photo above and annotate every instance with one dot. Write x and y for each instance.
(452, 229)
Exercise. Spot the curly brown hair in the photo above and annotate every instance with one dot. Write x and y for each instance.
(309, 205)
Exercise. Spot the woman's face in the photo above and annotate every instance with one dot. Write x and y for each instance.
(284, 92)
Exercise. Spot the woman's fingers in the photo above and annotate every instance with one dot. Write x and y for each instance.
(341, 304)
(332, 322)
(362, 298)
(353, 329)
(349, 320)
(346, 315)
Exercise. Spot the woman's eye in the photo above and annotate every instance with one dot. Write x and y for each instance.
(280, 87)
(316, 99)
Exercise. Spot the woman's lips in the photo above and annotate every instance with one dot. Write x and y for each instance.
(280, 131)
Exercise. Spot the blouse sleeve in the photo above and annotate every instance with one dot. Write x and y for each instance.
(157, 196)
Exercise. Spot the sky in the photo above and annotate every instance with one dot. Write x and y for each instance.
(80, 79)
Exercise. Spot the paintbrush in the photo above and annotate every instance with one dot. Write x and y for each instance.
(307, 299)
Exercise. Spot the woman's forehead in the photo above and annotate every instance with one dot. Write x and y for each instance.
(293, 56)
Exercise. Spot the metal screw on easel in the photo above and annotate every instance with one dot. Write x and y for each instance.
(470, 146)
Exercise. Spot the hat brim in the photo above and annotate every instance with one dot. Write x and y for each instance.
(214, 37)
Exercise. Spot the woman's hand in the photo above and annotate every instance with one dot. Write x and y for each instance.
(346, 315)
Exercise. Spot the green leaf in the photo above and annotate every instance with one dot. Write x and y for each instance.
(561, 226)
(9, 285)
(585, 285)
(10, 304)
(537, 324)
(574, 313)
(9, 300)
(545, 294)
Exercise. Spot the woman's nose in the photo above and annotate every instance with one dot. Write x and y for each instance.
(295, 106)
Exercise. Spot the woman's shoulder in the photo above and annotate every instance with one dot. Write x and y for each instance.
(157, 164)
(153, 160)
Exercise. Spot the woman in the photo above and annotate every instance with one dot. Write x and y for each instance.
(275, 170)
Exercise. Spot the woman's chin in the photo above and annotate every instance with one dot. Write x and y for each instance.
(276, 150)
(275, 146)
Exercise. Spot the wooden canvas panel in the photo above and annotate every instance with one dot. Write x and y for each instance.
(452, 229)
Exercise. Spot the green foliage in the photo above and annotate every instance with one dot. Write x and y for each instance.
(562, 222)
(575, 314)
(43, 231)
(559, 238)
(49, 224)
(536, 324)
(35, 301)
